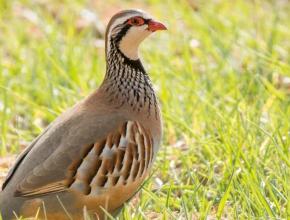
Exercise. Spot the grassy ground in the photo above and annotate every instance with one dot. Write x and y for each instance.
(221, 76)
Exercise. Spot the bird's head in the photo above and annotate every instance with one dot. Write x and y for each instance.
(127, 29)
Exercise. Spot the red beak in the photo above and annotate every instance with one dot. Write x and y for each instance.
(155, 26)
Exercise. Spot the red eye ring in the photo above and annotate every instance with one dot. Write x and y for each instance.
(136, 21)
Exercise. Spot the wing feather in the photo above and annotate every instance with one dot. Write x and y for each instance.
(121, 158)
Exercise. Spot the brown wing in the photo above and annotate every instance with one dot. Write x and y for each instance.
(122, 158)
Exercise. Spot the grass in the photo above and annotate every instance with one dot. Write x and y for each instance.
(220, 73)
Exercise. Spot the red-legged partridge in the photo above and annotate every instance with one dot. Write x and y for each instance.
(96, 155)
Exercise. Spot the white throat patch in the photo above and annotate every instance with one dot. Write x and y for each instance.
(130, 42)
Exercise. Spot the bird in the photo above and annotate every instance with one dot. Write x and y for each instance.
(95, 156)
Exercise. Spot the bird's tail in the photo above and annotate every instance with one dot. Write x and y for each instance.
(7, 206)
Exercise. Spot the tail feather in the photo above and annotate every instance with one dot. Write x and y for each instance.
(9, 205)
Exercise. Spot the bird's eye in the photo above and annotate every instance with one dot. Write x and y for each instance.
(136, 21)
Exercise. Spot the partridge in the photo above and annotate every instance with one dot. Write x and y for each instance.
(97, 154)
